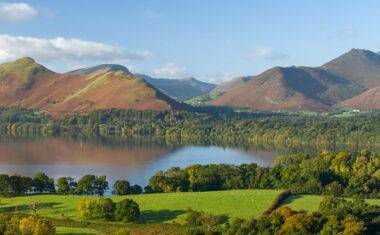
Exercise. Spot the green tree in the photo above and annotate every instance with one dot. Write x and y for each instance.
(121, 187)
(42, 183)
(127, 210)
(105, 209)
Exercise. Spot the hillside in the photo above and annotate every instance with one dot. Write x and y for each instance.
(358, 66)
(102, 68)
(218, 91)
(293, 88)
(181, 89)
(27, 84)
(365, 101)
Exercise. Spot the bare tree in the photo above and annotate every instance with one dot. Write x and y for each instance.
(34, 207)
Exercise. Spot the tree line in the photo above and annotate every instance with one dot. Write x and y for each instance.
(16, 185)
(341, 174)
(201, 127)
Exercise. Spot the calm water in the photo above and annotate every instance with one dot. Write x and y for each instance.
(135, 161)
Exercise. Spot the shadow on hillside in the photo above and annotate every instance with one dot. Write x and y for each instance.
(26, 207)
(289, 199)
(161, 215)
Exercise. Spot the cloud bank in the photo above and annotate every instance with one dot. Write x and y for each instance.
(17, 12)
(64, 50)
(170, 70)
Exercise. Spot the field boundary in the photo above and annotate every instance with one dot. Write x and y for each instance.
(277, 201)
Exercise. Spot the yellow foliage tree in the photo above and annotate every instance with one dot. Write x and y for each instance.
(86, 207)
(27, 225)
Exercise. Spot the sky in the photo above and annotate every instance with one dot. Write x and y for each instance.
(213, 41)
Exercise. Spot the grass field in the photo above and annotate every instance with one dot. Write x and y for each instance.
(76, 231)
(310, 203)
(164, 207)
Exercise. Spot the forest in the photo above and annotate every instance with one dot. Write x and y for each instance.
(203, 127)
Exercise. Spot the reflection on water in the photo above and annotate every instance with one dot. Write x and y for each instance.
(132, 159)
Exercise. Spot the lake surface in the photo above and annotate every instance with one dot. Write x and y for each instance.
(133, 160)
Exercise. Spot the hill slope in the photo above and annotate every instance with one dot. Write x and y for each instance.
(182, 89)
(367, 100)
(27, 84)
(290, 88)
(359, 66)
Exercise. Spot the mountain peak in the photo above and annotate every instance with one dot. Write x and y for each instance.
(102, 68)
(25, 61)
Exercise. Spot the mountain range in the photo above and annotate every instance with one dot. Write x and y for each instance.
(350, 80)
(308, 88)
(179, 89)
(30, 85)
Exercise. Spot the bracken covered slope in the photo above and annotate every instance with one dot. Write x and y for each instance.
(295, 88)
(30, 85)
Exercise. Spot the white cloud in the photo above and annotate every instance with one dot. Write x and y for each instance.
(170, 70)
(17, 12)
(133, 69)
(347, 31)
(64, 50)
(267, 53)
(151, 14)
(221, 77)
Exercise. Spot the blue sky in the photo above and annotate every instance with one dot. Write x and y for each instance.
(210, 40)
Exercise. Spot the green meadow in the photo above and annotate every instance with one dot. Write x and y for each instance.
(161, 207)
(310, 203)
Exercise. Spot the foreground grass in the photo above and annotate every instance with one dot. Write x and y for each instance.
(76, 231)
(164, 207)
(310, 203)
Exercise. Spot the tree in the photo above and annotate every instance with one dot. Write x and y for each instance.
(27, 225)
(121, 187)
(4, 185)
(136, 189)
(86, 185)
(66, 185)
(300, 223)
(101, 185)
(42, 183)
(34, 207)
(44, 227)
(86, 207)
(127, 210)
(105, 209)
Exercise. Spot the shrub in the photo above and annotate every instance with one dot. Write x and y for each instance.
(122, 232)
(86, 207)
(13, 226)
(44, 227)
(3, 223)
(127, 210)
(105, 209)
(27, 225)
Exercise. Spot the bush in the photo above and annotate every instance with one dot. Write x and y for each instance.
(13, 226)
(86, 207)
(122, 232)
(44, 227)
(27, 225)
(3, 223)
(105, 209)
(127, 210)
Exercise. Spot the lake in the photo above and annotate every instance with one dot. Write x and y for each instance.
(135, 160)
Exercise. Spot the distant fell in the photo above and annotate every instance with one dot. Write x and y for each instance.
(27, 84)
(359, 66)
(102, 68)
(294, 88)
(365, 101)
(180, 89)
